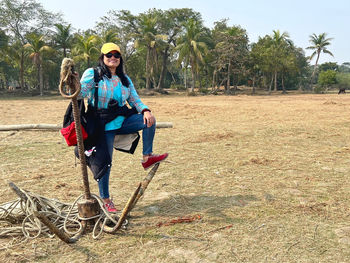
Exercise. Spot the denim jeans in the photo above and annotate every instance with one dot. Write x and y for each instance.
(131, 124)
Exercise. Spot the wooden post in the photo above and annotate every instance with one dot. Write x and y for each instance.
(87, 207)
(69, 78)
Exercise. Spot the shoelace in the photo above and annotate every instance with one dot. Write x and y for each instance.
(110, 205)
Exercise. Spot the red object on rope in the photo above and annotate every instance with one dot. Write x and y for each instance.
(70, 135)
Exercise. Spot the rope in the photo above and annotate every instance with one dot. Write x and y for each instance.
(17, 217)
(69, 79)
(81, 150)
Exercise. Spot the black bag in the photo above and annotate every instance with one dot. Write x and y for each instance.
(114, 110)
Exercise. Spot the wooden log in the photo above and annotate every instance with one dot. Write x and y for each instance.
(43, 126)
(127, 207)
(144, 185)
(125, 212)
(141, 188)
(18, 191)
(88, 208)
(54, 229)
(40, 126)
(164, 125)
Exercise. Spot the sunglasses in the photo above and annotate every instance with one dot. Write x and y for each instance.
(116, 55)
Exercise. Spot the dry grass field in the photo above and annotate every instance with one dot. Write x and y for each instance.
(269, 176)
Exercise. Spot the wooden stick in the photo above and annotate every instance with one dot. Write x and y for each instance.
(44, 126)
(144, 185)
(18, 191)
(125, 212)
(54, 229)
(40, 126)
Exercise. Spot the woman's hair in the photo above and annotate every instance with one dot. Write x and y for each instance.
(119, 71)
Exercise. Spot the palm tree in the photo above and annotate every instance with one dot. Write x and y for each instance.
(63, 37)
(109, 36)
(36, 46)
(13, 56)
(279, 44)
(148, 37)
(319, 44)
(191, 48)
(85, 48)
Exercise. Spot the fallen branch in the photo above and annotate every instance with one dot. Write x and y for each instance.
(184, 238)
(185, 219)
(292, 245)
(43, 126)
(220, 228)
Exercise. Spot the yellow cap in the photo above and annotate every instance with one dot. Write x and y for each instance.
(108, 47)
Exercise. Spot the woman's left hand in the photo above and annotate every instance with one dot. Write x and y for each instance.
(148, 118)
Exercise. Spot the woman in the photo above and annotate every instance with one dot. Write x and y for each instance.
(116, 85)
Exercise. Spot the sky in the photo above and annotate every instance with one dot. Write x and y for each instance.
(299, 18)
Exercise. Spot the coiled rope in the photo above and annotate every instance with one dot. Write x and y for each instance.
(18, 217)
(68, 79)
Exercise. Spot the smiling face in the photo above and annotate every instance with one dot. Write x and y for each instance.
(111, 61)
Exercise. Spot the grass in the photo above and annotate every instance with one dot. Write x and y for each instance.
(267, 174)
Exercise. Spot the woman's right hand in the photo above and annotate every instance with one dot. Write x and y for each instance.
(148, 118)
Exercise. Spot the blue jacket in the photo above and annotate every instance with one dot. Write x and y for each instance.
(110, 89)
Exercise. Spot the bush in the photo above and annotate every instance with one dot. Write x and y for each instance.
(343, 80)
(319, 89)
(191, 94)
(204, 91)
(177, 87)
(327, 78)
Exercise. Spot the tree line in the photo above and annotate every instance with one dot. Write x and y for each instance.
(162, 49)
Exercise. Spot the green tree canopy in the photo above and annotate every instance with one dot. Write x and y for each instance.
(192, 48)
(36, 46)
(327, 78)
(20, 18)
(63, 38)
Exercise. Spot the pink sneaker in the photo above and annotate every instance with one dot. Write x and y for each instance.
(110, 207)
(153, 159)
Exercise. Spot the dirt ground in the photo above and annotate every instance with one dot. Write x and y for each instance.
(268, 176)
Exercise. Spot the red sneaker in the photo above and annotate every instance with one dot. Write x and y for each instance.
(110, 207)
(153, 159)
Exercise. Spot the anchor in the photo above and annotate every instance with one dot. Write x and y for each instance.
(58, 216)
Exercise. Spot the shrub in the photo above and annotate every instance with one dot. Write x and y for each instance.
(327, 78)
(343, 80)
(177, 87)
(319, 89)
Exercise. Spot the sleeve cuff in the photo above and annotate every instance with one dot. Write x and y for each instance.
(145, 110)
